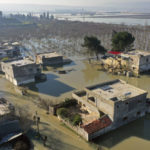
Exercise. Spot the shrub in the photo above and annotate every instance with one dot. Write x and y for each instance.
(76, 119)
(62, 112)
(5, 59)
(69, 102)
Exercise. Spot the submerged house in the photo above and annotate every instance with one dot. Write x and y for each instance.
(20, 71)
(9, 51)
(119, 102)
(49, 58)
(135, 62)
(139, 61)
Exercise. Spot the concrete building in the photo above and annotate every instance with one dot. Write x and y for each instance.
(6, 110)
(9, 51)
(49, 58)
(20, 71)
(138, 61)
(119, 102)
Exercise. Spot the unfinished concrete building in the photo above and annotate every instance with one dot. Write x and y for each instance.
(20, 71)
(134, 62)
(119, 102)
(49, 58)
(9, 51)
(139, 61)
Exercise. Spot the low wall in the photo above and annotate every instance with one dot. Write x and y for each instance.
(77, 129)
(100, 132)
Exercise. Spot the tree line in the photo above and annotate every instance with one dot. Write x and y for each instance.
(121, 41)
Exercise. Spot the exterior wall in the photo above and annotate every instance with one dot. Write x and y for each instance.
(100, 132)
(49, 61)
(26, 81)
(139, 63)
(77, 129)
(144, 63)
(53, 60)
(7, 69)
(102, 104)
(90, 107)
(20, 74)
(26, 70)
(39, 59)
(10, 52)
(130, 107)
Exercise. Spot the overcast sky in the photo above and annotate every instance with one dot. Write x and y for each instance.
(72, 2)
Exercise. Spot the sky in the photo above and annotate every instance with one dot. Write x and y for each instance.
(71, 2)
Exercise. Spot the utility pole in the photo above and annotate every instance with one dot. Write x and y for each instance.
(36, 119)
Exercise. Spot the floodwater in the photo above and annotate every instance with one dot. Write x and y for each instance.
(134, 136)
(123, 20)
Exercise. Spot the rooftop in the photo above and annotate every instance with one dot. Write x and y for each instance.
(97, 125)
(49, 54)
(116, 90)
(20, 62)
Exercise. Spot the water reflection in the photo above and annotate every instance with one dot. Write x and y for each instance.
(90, 72)
(135, 134)
(51, 87)
(139, 128)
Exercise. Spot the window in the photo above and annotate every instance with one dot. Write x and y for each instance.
(125, 118)
(139, 101)
(147, 60)
(127, 103)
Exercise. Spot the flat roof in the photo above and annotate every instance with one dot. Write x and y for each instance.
(20, 62)
(116, 90)
(49, 54)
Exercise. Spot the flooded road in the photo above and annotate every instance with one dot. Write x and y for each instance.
(134, 136)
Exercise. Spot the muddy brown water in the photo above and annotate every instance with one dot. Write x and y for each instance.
(134, 136)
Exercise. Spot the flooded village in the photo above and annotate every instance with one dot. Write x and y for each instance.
(103, 107)
(65, 93)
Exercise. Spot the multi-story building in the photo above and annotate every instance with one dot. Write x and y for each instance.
(119, 102)
(20, 71)
(49, 58)
(138, 61)
(9, 51)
